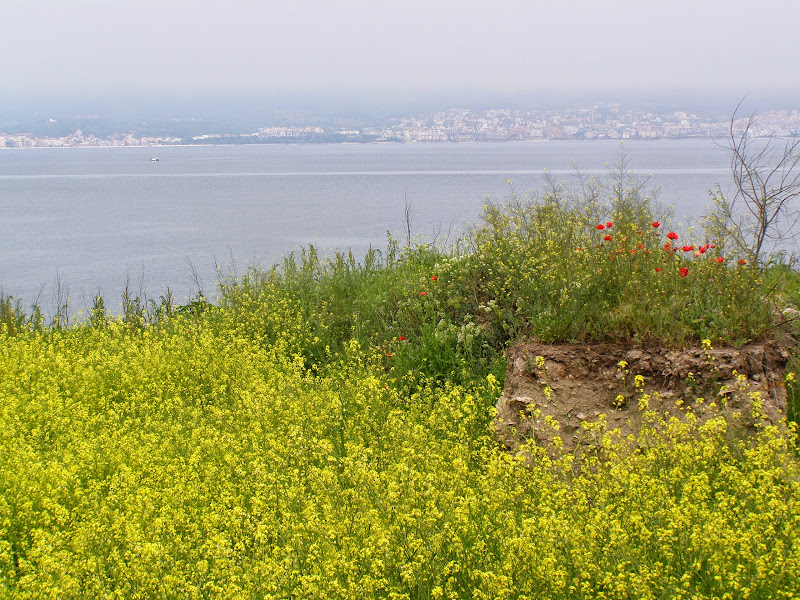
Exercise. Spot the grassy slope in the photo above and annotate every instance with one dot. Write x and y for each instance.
(326, 432)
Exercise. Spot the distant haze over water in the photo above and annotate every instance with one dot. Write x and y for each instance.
(95, 216)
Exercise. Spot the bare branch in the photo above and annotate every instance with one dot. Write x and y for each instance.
(766, 181)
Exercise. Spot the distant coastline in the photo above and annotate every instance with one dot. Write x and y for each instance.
(607, 122)
(382, 142)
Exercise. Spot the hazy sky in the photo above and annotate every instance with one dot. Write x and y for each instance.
(101, 47)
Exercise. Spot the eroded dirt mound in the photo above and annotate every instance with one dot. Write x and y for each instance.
(572, 383)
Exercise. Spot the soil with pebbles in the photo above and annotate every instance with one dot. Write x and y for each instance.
(586, 381)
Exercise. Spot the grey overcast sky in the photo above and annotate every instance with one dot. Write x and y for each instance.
(251, 47)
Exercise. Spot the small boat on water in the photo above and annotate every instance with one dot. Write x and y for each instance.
(154, 160)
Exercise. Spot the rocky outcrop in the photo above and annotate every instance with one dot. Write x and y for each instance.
(551, 389)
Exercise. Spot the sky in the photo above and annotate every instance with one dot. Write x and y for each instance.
(54, 50)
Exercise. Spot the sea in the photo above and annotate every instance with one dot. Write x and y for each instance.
(79, 222)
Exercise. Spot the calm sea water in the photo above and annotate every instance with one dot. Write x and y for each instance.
(97, 217)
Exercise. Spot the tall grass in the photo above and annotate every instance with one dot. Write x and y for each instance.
(586, 264)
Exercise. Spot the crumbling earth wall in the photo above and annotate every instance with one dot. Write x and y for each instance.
(573, 383)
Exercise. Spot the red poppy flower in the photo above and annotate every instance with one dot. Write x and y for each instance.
(388, 355)
(742, 261)
(609, 225)
(713, 245)
(655, 224)
(684, 271)
(601, 226)
(639, 233)
(423, 293)
(658, 269)
(433, 278)
(640, 246)
(720, 259)
(672, 235)
(688, 248)
(402, 338)
(667, 247)
(608, 238)
(702, 249)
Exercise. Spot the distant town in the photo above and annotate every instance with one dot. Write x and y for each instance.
(599, 122)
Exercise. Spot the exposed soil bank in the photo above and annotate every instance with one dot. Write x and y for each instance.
(572, 383)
